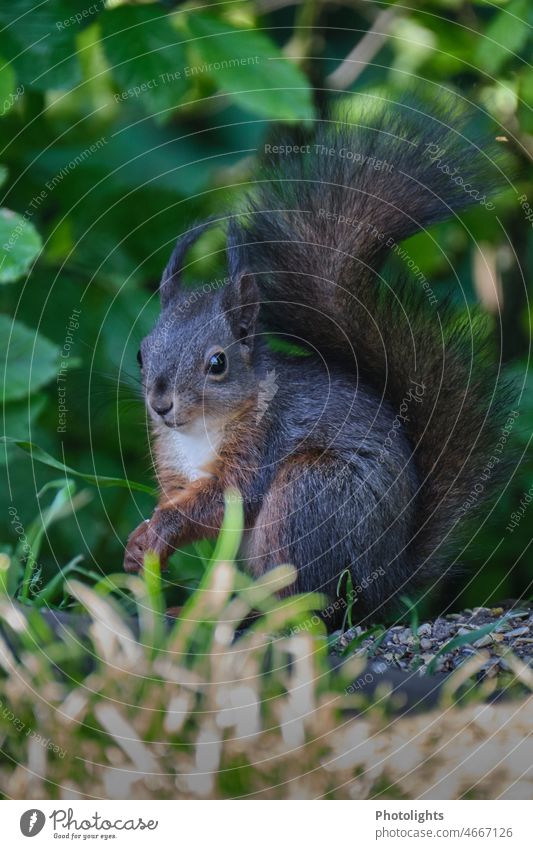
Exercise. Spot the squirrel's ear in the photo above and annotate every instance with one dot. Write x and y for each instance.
(241, 296)
(241, 303)
(171, 280)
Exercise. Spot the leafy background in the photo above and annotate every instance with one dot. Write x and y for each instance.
(101, 171)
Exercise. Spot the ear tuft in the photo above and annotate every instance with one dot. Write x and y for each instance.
(241, 295)
(241, 303)
(171, 279)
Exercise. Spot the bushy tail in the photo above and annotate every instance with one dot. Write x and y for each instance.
(323, 221)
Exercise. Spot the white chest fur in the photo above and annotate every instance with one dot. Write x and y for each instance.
(191, 450)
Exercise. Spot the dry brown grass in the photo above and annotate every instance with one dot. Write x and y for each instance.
(195, 714)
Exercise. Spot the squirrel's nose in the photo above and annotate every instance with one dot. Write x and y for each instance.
(162, 406)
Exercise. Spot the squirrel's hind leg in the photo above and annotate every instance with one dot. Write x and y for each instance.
(324, 517)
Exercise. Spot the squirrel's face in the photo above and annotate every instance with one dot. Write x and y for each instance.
(197, 363)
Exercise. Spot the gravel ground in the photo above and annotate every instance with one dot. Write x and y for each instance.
(445, 643)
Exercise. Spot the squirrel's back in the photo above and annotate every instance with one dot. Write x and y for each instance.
(320, 226)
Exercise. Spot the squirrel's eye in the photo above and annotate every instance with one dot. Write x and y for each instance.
(139, 358)
(217, 363)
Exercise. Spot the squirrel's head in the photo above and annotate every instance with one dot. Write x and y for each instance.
(198, 360)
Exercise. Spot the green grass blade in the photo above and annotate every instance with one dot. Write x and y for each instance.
(42, 456)
(152, 610)
(5, 566)
(229, 538)
(53, 588)
(38, 529)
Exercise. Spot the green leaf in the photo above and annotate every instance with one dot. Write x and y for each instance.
(146, 57)
(506, 35)
(7, 87)
(249, 66)
(27, 360)
(19, 418)
(19, 245)
(283, 346)
(525, 95)
(39, 41)
(42, 456)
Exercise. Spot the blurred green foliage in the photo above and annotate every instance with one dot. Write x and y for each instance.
(121, 123)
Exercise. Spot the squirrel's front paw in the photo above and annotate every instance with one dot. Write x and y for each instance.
(135, 548)
(147, 537)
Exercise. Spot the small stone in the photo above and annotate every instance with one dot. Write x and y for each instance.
(517, 632)
(463, 630)
(442, 629)
(404, 635)
(346, 638)
(424, 630)
(486, 640)
(426, 644)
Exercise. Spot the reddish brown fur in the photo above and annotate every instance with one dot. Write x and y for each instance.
(191, 510)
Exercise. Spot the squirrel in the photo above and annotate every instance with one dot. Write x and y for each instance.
(357, 450)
